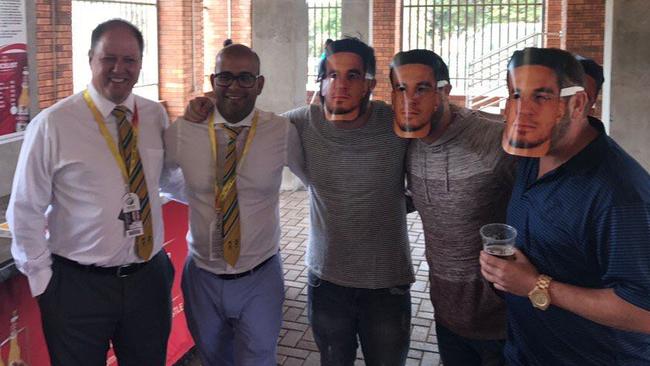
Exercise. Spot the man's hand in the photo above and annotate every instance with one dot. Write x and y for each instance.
(517, 276)
(198, 109)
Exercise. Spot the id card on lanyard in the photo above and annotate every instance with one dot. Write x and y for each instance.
(130, 213)
(221, 191)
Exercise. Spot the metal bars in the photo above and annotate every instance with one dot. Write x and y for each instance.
(324, 22)
(461, 31)
(87, 14)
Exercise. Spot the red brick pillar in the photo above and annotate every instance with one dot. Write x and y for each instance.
(386, 40)
(554, 23)
(53, 50)
(585, 28)
(180, 52)
(216, 25)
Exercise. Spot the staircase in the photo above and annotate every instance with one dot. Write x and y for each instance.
(486, 76)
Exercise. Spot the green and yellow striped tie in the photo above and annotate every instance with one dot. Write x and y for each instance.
(230, 228)
(137, 183)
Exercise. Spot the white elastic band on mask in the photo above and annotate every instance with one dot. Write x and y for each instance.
(442, 83)
(571, 90)
(369, 76)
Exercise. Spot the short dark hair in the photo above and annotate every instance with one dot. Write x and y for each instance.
(349, 44)
(563, 63)
(423, 57)
(593, 69)
(112, 24)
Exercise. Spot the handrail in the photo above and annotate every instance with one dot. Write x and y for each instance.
(485, 86)
(514, 43)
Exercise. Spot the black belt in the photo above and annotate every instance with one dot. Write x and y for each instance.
(234, 276)
(125, 270)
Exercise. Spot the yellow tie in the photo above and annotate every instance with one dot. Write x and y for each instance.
(137, 183)
(230, 228)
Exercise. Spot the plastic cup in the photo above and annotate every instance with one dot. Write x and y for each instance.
(499, 240)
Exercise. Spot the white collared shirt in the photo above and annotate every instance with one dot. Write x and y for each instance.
(68, 183)
(275, 145)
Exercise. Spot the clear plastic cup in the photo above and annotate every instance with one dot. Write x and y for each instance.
(499, 240)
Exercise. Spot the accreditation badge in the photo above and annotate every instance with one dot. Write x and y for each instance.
(130, 215)
(216, 236)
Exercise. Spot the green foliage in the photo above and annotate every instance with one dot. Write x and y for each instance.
(444, 17)
(324, 23)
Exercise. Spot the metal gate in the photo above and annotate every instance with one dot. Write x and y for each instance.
(324, 22)
(464, 31)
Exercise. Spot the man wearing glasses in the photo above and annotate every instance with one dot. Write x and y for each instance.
(232, 162)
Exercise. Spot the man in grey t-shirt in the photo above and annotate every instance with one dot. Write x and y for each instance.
(358, 255)
(460, 179)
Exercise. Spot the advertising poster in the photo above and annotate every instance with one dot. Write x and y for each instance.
(14, 74)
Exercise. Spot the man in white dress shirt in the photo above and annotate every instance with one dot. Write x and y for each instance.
(233, 299)
(88, 173)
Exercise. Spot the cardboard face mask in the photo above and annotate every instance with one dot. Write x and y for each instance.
(344, 87)
(415, 99)
(533, 110)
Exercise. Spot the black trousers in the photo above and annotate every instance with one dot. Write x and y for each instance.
(82, 311)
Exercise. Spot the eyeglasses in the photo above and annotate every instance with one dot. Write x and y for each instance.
(245, 79)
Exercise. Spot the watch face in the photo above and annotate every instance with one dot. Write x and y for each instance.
(539, 298)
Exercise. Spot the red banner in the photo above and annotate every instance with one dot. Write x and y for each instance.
(20, 319)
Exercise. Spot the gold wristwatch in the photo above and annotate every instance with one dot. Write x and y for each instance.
(539, 296)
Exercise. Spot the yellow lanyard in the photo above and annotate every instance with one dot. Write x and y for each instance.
(214, 144)
(109, 140)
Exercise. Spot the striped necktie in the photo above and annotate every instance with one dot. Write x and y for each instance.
(137, 183)
(230, 228)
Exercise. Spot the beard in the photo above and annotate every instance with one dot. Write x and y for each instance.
(339, 110)
(521, 144)
(560, 129)
(411, 128)
(557, 133)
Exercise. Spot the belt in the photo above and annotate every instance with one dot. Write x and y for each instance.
(234, 276)
(122, 271)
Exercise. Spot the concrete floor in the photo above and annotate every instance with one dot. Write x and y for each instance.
(296, 344)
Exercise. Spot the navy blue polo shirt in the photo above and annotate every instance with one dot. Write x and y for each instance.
(586, 223)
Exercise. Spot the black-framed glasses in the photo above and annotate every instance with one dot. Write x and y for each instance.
(245, 79)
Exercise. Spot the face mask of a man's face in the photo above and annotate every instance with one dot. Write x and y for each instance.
(415, 99)
(344, 86)
(533, 109)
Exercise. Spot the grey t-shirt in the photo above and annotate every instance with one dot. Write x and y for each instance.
(459, 183)
(358, 232)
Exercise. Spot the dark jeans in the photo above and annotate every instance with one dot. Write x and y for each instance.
(381, 319)
(456, 350)
(82, 311)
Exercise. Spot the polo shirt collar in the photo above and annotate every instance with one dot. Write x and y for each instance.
(593, 154)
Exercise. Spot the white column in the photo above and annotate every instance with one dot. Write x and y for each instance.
(355, 19)
(627, 58)
(280, 39)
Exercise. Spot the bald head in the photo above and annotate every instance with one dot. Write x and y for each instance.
(238, 52)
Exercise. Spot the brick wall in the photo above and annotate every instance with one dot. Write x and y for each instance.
(582, 23)
(180, 52)
(585, 28)
(53, 50)
(386, 38)
(554, 22)
(216, 28)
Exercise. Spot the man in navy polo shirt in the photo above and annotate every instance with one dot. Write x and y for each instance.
(578, 292)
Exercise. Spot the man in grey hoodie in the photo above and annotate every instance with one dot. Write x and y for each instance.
(459, 179)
